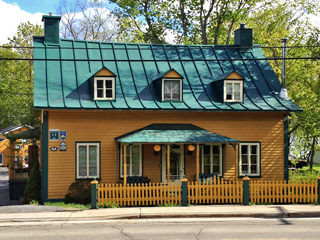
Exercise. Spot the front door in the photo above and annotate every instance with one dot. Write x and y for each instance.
(176, 163)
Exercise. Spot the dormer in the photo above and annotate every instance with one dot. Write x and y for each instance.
(228, 87)
(103, 84)
(168, 86)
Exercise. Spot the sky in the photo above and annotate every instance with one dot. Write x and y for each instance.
(13, 12)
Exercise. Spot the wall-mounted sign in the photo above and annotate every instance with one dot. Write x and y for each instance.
(63, 146)
(53, 149)
(54, 134)
(63, 135)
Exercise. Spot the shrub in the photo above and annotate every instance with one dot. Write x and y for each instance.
(79, 192)
(33, 187)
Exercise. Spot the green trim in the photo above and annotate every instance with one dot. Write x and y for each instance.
(76, 155)
(164, 110)
(286, 147)
(44, 157)
(246, 192)
(249, 175)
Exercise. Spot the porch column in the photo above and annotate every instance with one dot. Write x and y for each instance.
(237, 162)
(124, 165)
(198, 163)
(168, 163)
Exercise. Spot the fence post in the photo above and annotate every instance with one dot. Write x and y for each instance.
(318, 189)
(94, 193)
(184, 191)
(246, 194)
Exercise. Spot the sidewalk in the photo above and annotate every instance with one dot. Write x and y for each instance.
(265, 211)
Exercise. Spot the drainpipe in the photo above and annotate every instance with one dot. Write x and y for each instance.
(284, 93)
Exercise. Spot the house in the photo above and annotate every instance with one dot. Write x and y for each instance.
(169, 110)
(14, 153)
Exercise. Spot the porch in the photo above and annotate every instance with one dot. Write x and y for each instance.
(167, 152)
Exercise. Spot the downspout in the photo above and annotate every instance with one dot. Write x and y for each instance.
(284, 93)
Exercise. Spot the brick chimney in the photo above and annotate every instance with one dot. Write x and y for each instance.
(51, 28)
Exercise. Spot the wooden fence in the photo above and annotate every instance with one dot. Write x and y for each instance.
(215, 190)
(139, 194)
(283, 192)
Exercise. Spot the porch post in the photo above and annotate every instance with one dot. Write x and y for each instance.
(198, 163)
(124, 165)
(168, 163)
(237, 162)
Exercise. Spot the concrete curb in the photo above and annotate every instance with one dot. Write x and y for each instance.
(216, 211)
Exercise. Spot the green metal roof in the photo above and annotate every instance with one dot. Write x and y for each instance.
(61, 76)
(173, 133)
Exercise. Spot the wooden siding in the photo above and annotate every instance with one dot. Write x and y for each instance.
(234, 75)
(104, 126)
(104, 72)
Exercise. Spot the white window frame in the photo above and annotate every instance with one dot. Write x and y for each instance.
(233, 92)
(87, 144)
(249, 159)
(1, 159)
(130, 154)
(211, 158)
(104, 88)
(163, 89)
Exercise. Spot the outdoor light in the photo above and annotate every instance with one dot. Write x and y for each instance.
(157, 148)
(191, 148)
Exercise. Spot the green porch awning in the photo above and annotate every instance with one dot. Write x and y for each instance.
(173, 133)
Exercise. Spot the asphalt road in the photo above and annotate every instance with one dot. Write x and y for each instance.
(222, 228)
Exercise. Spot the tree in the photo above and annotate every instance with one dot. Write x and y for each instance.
(87, 20)
(290, 19)
(16, 78)
(191, 21)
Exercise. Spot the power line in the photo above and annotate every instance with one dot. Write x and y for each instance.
(142, 60)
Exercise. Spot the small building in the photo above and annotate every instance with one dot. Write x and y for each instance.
(13, 153)
(112, 110)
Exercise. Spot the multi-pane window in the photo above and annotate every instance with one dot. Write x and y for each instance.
(133, 158)
(211, 159)
(249, 159)
(172, 90)
(88, 155)
(1, 159)
(104, 88)
(233, 91)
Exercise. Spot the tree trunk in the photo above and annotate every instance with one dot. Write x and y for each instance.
(312, 152)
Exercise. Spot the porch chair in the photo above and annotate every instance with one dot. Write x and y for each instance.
(205, 177)
(131, 180)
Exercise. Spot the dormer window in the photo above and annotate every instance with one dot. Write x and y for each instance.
(104, 88)
(172, 89)
(233, 91)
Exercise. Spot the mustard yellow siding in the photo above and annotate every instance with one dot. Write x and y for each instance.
(104, 72)
(104, 126)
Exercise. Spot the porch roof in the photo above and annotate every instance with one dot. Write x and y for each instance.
(173, 133)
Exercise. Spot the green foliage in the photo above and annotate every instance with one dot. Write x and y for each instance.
(109, 205)
(303, 175)
(34, 203)
(79, 192)
(69, 205)
(16, 79)
(33, 188)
